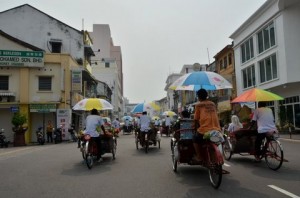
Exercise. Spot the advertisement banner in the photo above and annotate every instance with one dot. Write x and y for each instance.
(64, 120)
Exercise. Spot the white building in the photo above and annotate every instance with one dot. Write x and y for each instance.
(107, 64)
(267, 51)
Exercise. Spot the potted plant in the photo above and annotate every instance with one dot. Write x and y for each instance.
(19, 127)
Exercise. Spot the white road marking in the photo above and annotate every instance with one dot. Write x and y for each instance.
(284, 191)
(226, 165)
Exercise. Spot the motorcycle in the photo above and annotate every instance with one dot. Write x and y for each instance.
(58, 135)
(72, 133)
(40, 136)
(3, 142)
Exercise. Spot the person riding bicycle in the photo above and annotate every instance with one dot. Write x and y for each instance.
(144, 125)
(264, 118)
(205, 120)
(92, 124)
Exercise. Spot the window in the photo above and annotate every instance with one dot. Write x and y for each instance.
(229, 59)
(225, 62)
(221, 64)
(266, 38)
(107, 65)
(4, 83)
(247, 50)
(56, 45)
(268, 68)
(248, 76)
(45, 83)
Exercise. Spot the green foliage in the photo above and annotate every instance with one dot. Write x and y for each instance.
(18, 119)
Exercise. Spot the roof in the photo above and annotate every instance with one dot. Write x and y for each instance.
(42, 13)
(34, 48)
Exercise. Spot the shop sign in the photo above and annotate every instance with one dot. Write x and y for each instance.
(21, 58)
(14, 109)
(77, 80)
(42, 108)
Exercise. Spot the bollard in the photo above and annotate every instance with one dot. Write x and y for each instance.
(290, 131)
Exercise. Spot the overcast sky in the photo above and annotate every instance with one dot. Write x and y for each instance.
(157, 37)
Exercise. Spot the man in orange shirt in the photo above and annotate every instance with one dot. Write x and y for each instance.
(205, 119)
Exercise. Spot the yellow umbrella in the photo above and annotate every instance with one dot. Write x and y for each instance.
(88, 104)
(169, 113)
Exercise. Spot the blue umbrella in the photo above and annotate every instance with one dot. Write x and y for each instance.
(145, 107)
(202, 79)
(127, 118)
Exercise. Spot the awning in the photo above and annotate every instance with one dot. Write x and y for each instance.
(7, 94)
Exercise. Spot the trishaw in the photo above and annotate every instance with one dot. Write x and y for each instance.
(243, 142)
(152, 137)
(89, 148)
(183, 152)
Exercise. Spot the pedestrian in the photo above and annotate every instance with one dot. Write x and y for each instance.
(49, 131)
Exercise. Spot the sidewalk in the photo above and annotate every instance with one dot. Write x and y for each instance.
(287, 136)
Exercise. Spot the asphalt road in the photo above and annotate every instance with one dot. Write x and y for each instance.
(59, 171)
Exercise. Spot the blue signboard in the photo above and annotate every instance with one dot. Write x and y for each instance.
(14, 109)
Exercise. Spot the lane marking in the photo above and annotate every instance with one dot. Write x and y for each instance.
(226, 165)
(284, 191)
(14, 151)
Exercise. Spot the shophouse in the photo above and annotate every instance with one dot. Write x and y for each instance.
(266, 49)
(65, 75)
(224, 60)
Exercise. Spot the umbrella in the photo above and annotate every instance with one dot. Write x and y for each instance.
(169, 113)
(88, 104)
(256, 95)
(155, 118)
(127, 118)
(145, 107)
(202, 79)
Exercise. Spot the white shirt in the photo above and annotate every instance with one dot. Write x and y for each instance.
(145, 123)
(265, 120)
(156, 123)
(91, 123)
(116, 124)
(168, 121)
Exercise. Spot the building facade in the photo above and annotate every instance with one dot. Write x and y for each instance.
(266, 48)
(107, 64)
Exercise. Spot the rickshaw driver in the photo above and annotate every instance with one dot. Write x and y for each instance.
(205, 120)
(264, 118)
(92, 122)
(144, 125)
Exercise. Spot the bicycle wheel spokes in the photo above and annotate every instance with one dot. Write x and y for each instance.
(274, 155)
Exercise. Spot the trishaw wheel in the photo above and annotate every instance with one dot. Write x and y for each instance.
(227, 149)
(114, 150)
(215, 175)
(174, 158)
(137, 143)
(274, 154)
(89, 160)
(146, 146)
